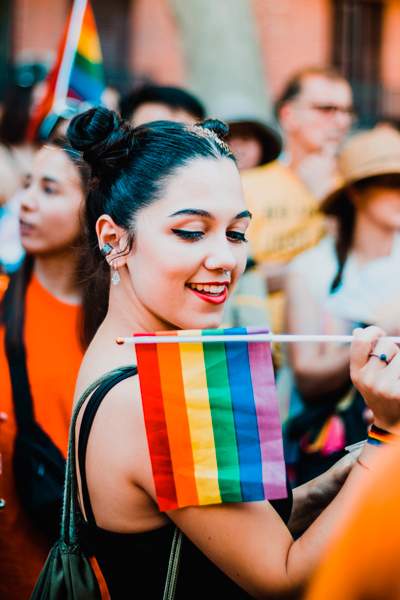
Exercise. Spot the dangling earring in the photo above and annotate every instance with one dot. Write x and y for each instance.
(115, 278)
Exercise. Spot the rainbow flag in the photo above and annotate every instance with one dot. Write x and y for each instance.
(77, 75)
(212, 420)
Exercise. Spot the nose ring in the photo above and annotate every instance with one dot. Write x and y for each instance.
(226, 272)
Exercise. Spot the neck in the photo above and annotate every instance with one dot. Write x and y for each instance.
(371, 241)
(57, 276)
(296, 152)
(125, 313)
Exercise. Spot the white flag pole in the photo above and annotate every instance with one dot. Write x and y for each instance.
(250, 337)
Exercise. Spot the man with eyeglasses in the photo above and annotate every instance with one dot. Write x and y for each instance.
(315, 111)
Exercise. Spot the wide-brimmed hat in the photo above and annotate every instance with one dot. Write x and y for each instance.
(240, 111)
(365, 155)
(269, 138)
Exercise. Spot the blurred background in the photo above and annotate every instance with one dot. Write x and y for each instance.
(216, 47)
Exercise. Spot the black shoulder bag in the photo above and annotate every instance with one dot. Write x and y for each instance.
(39, 466)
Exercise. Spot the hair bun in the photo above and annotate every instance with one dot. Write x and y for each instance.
(218, 127)
(103, 138)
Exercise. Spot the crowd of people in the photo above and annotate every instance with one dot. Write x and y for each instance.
(135, 218)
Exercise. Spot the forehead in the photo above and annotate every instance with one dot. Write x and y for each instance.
(323, 90)
(206, 184)
(53, 162)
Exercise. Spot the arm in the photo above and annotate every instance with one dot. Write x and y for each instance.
(310, 499)
(316, 371)
(249, 541)
(251, 544)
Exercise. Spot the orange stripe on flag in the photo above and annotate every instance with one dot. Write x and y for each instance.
(177, 423)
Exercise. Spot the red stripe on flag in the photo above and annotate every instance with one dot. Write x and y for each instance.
(156, 429)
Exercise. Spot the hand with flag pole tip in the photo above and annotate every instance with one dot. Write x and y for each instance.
(377, 379)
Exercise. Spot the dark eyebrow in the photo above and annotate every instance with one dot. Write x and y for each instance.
(192, 211)
(49, 179)
(243, 215)
(204, 213)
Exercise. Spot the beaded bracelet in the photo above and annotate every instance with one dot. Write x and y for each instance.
(379, 437)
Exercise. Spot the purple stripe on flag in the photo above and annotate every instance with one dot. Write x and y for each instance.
(269, 423)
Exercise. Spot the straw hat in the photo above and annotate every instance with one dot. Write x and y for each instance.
(375, 152)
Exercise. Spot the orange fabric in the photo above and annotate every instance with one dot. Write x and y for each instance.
(364, 562)
(3, 284)
(53, 360)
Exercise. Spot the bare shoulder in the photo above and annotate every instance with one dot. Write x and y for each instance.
(119, 424)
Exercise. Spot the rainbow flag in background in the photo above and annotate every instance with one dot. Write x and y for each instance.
(77, 75)
(212, 420)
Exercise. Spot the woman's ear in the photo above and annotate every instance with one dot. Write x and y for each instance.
(113, 235)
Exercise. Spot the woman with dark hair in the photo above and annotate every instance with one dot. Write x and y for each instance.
(166, 216)
(41, 315)
(346, 280)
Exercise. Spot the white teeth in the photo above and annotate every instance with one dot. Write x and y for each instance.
(212, 289)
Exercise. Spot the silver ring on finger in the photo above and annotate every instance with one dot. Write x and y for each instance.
(381, 357)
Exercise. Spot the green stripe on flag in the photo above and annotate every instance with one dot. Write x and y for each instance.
(222, 420)
(96, 70)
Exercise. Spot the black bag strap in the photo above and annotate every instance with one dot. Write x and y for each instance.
(21, 390)
(86, 425)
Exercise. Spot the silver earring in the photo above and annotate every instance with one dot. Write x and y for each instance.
(115, 278)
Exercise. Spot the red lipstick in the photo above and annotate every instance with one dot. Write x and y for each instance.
(211, 299)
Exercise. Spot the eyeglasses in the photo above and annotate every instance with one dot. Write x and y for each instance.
(331, 110)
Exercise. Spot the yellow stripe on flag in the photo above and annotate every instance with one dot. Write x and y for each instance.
(89, 47)
(200, 423)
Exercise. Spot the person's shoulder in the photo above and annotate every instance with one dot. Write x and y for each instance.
(270, 169)
(277, 179)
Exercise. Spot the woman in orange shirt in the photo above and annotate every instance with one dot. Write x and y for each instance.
(41, 310)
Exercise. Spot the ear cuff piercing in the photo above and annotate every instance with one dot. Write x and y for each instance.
(106, 249)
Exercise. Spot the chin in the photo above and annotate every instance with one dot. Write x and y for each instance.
(202, 322)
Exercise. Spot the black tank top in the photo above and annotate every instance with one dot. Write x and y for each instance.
(135, 565)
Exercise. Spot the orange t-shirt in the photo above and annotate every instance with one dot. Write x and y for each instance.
(364, 562)
(54, 356)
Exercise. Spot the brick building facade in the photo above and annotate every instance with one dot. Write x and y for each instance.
(142, 38)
